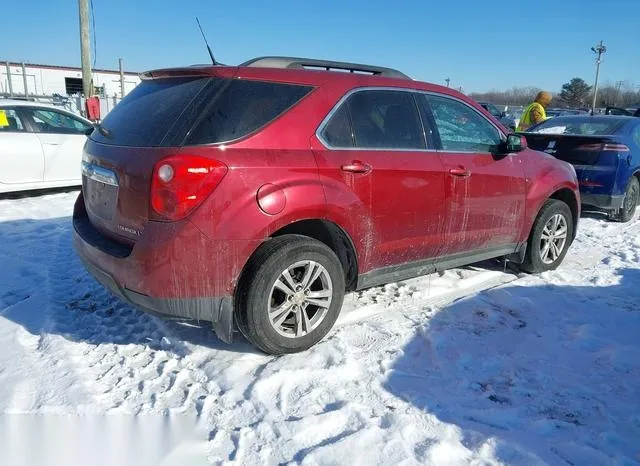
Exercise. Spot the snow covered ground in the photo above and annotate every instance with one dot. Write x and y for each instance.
(478, 366)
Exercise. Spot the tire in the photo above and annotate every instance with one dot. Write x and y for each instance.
(544, 224)
(258, 296)
(630, 203)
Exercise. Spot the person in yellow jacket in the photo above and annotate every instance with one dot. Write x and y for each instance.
(535, 112)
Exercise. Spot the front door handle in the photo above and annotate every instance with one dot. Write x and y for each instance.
(356, 167)
(460, 172)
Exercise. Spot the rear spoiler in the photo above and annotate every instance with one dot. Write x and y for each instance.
(188, 72)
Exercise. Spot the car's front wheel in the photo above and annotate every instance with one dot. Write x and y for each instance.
(550, 237)
(290, 295)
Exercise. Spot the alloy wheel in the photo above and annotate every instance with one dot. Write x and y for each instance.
(300, 299)
(553, 238)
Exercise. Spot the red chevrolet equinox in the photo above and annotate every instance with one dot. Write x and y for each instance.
(255, 196)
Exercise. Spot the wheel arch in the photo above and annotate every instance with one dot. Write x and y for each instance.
(567, 196)
(331, 235)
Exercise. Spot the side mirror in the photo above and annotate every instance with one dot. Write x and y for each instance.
(515, 143)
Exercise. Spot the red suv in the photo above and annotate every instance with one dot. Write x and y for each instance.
(259, 194)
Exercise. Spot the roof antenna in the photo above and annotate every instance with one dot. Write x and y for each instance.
(213, 60)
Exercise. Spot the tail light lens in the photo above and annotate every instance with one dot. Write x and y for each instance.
(180, 183)
(590, 147)
(615, 147)
(611, 147)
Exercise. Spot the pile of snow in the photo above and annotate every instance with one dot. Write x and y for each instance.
(532, 370)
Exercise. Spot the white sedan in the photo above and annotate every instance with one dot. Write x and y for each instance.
(40, 146)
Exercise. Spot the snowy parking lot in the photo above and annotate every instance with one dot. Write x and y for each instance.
(479, 365)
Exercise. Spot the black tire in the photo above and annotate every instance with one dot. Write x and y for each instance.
(631, 197)
(254, 295)
(533, 262)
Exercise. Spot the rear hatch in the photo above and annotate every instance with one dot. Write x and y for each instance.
(577, 150)
(149, 124)
(577, 139)
(124, 186)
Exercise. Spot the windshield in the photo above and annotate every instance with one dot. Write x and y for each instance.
(580, 126)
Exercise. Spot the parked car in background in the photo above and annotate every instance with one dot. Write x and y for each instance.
(260, 194)
(622, 111)
(516, 114)
(605, 151)
(553, 112)
(40, 146)
(502, 116)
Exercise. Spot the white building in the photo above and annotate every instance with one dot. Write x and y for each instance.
(46, 80)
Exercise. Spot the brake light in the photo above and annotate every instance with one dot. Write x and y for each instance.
(611, 147)
(590, 147)
(615, 147)
(180, 183)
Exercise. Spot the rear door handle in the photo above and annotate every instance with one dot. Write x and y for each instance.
(356, 167)
(51, 143)
(460, 172)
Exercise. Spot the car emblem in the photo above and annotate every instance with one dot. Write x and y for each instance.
(126, 229)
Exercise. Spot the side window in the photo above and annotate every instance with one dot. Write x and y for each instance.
(460, 127)
(244, 107)
(385, 120)
(337, 131)
(50, 121)
(636, 135)
(10, 122)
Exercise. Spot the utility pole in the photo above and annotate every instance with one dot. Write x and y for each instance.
(447, 81)
(85, 48)
(598, 50)
(121, 78)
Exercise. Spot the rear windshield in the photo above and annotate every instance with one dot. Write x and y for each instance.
(176, 111)
(582, 126)
(145, 116)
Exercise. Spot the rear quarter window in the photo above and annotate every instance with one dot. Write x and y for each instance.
(242, 108)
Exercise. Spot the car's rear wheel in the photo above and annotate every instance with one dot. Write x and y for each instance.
(630, 203)
(550, 237)
(290, 295)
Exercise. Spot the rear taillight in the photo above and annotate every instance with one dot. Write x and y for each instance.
(180, 183)
(615, 147)
(610, 147)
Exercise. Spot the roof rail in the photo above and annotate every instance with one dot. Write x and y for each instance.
(326, 65)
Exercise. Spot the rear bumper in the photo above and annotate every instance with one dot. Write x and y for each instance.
(603, 201)
(217, 310)
(173, 270)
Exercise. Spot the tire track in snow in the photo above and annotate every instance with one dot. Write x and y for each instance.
(127, 359)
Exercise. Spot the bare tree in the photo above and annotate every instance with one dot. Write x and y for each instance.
(514, 96)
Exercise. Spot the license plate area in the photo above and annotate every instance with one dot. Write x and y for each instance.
(100, 191)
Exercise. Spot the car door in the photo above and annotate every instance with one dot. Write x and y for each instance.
(373, 147)
(484, 192)
(21, 155)
(62, 137)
